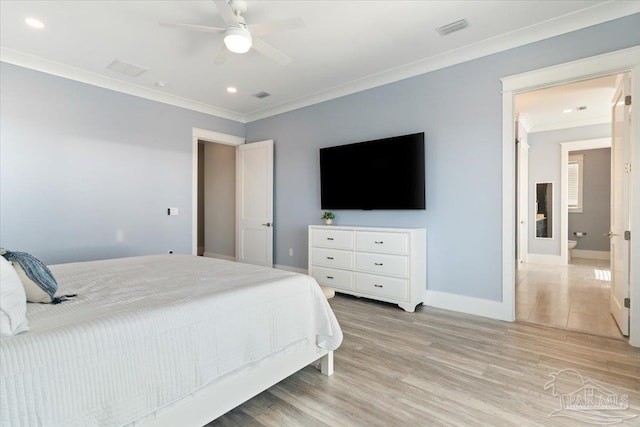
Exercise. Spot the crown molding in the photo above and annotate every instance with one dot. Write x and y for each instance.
(69, 72)
(594, 15)
(597, 14)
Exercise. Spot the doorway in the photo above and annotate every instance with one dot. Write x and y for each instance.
(216, 200)
(563, 276)
(253, 186)
(621, 61)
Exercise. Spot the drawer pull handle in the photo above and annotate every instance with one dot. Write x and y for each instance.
(377, 286)
(378, 242)
(377, 263)
(329, 257)
(329, 238)
(330, 277)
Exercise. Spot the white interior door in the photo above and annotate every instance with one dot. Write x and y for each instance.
(620, 211)
(254, 203)
(523, 200)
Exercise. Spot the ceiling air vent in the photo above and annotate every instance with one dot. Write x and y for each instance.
(452, 27)
(124, 68)
(261, 95)
(582, 108)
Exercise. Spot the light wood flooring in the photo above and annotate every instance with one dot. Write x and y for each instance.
(440, 368)
(574, 296)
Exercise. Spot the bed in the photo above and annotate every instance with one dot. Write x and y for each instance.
(161, 340)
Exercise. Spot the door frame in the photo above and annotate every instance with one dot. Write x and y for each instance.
(620, 61)
(205, 135)
(522, 147)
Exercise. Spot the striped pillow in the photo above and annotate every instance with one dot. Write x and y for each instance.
(38, 281)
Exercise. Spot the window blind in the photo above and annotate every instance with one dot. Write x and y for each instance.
(574, 184)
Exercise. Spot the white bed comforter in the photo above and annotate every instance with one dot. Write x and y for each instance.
(147, 331)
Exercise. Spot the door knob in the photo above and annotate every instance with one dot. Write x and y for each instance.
(610, 234)
(269, 224)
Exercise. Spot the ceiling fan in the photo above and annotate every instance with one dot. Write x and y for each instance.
(240, 37)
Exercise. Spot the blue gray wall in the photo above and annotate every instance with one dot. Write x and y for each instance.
(88, 173)
(544, 166)
(460, 110)
(596, 201)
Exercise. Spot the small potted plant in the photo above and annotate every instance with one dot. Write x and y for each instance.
(328, 217)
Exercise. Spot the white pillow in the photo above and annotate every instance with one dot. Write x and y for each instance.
(13, 301)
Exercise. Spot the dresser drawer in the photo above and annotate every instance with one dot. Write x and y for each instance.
(393, 243)
(337, 279)
(338, 239)
(382, 286)
(394, 265)
(332, 258)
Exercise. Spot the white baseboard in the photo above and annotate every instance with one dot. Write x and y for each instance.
(288, 268)
(546, 259)
(220, 256)
(583, 253)
(470, 305)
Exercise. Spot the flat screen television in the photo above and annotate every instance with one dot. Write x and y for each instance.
(382, 174)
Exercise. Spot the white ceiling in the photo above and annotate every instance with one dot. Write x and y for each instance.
(544, 109)
(345, 47)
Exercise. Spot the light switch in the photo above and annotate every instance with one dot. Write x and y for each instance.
(172, 211)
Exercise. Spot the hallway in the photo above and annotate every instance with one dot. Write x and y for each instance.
(573, 297)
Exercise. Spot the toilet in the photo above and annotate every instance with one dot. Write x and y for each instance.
(572, 244)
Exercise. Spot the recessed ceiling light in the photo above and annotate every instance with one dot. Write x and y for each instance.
(566, 110)
(32, 22)
(232, 89)
(161, 83)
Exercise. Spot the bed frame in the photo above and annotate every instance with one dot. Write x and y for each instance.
(220, 396)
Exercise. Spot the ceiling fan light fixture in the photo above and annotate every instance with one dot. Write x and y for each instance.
(238, 40)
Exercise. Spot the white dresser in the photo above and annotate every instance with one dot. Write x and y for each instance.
(386, 264)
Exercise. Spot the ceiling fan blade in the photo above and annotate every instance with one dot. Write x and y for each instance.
(226, 12)
(200, 28)
(222, 56)
(264, 28)
(270, 51)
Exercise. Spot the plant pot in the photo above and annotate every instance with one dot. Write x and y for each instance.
(328, 221)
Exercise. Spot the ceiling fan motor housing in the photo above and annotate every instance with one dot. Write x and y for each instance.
(238, 6)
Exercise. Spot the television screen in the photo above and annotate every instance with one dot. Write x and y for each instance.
(382, 174)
